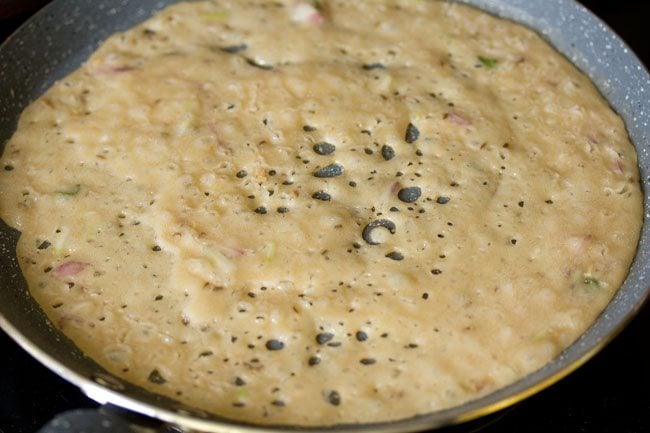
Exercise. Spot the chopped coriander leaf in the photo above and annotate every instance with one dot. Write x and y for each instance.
(70, 191)
(591, 281)
(488, 62)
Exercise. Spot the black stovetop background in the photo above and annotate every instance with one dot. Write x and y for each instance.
(611, 393)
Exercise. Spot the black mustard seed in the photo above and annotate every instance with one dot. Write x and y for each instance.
(321, 195)
(412, 133)
(361, 336)
(371, 66)
(156, 377)
(332, 170)
(394, 255)
(387, 152)
(409, 194)
(234, 49)
(334, 398)
(274, 345)
(383, 223)
(324, 337)
(324, 148)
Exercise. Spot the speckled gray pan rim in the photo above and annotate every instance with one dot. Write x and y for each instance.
(61, 36)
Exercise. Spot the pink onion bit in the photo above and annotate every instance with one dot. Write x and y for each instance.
(317, 18)
(457, 119)
(69, 269)
(303, 12)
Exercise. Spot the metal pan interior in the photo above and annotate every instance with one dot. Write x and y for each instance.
(60, 37)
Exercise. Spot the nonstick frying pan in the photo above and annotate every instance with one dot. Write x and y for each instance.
(61, 36)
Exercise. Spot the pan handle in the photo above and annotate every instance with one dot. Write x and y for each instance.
(105, 419)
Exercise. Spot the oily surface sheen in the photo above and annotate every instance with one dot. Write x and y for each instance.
(315, 213)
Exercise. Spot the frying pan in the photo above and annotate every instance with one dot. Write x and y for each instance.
(60, 37)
